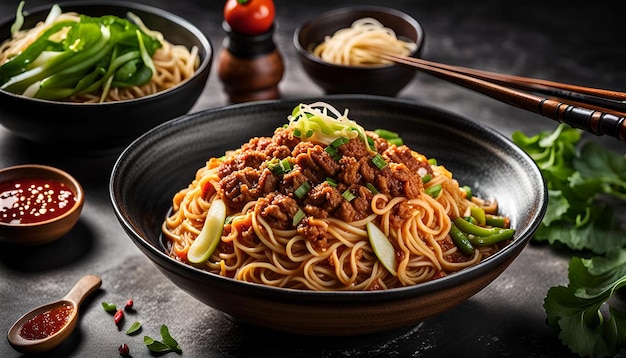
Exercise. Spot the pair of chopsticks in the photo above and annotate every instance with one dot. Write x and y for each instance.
(598, 111)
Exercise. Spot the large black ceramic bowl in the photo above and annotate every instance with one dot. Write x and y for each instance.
(112, 124)
(385, 80)
(164, 160)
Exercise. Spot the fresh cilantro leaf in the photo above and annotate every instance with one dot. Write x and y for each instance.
(581, 178)
(575, 310)
(578, 177)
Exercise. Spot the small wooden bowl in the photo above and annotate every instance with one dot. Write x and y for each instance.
(48, 230)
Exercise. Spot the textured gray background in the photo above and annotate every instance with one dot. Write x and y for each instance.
(576, 42)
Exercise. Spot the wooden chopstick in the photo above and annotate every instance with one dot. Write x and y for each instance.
(596, 111)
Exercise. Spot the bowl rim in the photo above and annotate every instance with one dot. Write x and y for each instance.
(77, 190)
(506, 253)
(301, 48)
(204, 64)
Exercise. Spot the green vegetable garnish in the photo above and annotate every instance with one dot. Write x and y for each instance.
(391, 137)
(578, 177)
(133, 328)
(314, 123)
(434, 190)
(168, 343)
(575, 310)
(109, 307)
(382, 247)
(581, 178)
(302, 190)
(379, 161)
(95, 53)
(205, 243)
(299, 216)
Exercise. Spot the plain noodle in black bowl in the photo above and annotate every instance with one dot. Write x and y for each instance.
(164, 160)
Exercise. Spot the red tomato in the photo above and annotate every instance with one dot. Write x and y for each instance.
(250, 17)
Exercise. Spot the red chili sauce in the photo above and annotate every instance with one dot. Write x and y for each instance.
(27, 201)
(46, 323)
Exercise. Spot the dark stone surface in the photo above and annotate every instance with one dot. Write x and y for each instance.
(576, 42)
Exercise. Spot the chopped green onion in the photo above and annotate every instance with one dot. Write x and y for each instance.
(396, 141)
(348, 195)
(298, 217)
(471, 220)
(461, 240)
(302, 190)
(339, 142)
(386, 134)
(391, 137)
(426, 178)
(332, 151)
(476, 230)
(468, 191)
(379, 161)
(332, 182)
(479, 215)
(286, 165)
(372, 188)
(432, 161)
(279, 167)
(497, 221)
(434, 190)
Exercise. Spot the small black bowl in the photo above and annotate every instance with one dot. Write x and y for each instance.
(100, 126)
(385, 80)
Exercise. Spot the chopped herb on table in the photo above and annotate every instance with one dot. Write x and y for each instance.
(586, 187)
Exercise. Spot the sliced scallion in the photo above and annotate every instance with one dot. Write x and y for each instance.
(298, 217)
(379, 161)
(302, 190)
(348, 195)
(434, 190)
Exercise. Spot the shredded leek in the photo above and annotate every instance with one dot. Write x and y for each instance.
(321, 123)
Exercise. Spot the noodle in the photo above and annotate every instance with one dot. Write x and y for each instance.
(350, 46)
(173, 63)
(329, 249)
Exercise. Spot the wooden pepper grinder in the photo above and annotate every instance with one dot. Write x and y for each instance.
(250, 64)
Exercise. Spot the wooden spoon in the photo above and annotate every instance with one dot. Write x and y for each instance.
(55, 320)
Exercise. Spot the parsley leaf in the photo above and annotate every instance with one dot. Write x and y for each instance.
(168, 343)
(579, 178)
(576, 312)
(586, 184)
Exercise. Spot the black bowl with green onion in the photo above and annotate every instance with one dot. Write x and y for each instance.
(53, 121)
(154, 167)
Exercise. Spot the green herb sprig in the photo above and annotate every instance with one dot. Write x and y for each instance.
(167, 343)
(581, 178)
